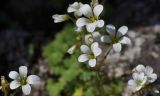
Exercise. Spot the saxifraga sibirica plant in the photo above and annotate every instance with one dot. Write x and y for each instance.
(90, 30)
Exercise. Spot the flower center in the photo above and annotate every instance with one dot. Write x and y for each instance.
(23, 80)
(91, 55)
(114, 40)
(138, 82)
(93, 19)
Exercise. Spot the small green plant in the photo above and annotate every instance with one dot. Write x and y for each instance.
(70, 77)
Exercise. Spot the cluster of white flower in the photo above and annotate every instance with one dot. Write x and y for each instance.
(21, 79)
(142, 76)
(88, 22)
(87, 18)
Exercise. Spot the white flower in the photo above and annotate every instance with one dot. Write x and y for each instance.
(90, 54)
(138, 81)
(91, 19)
(72, 49)
(148, 71)
(116, 37)
(21, 79)
(60, 18)
(75, 7)
(93, 37)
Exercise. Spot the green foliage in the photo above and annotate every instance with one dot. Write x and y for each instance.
(69, 77)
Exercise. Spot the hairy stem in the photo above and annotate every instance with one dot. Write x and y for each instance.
(106, 54)
(101, 88)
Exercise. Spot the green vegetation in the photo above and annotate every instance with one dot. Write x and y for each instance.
(71, 78)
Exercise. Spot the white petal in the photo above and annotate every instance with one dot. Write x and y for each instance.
(149, 70)
(94, 45)
(152, 78)
(91, 27)
(140, 76)
(92, 62)
(86, 10)
(60, 18)
(117, 47)
(33, 79)
(140, 68)
(131, 82)
(106, 39)
(95, 48)
(111, 30)
(83, 58)
(96, 36)
(73, 7)
(13, 75)
(135, 76)
(78, 13)
(14, 84)
(125, 40)
(23, 70)
(26, 89)
(100, 23)
(72, 49)
(85, 48)
(123, 30)
(81, 22)
(98, 10)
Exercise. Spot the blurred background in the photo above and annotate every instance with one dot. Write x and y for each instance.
(28, 36)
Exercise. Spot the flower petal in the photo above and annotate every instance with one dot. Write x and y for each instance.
(73, 7)
(100, 23)
(95, 49)
(98, 10)
(131, 82)
(83, 58)
(85, 48)
(111, 30)
(81, 22)
(140, 68)
(91, 27)
(26, 89)
(23, 70)
(125, 40)
(106, 39)
(86, 10)
(60, 18)
(123, 30)
(72, 49)
(94, 46)
(141, 76)
(96, 36)
(151, 78)
(78, 13)
(13, 75)
(14, 84)
(33, 79)
(149, 70)
(117, 47)
(92, 62)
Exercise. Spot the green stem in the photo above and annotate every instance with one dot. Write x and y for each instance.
(101, 88)
(72, 19)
